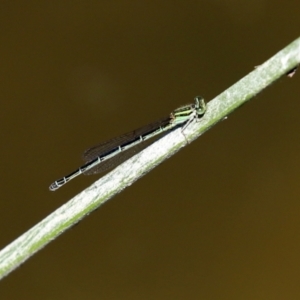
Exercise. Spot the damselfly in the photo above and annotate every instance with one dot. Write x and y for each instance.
(109, 154)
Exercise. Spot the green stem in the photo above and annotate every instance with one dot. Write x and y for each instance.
(105, 188)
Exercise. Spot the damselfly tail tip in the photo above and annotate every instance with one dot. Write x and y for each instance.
(53, 187)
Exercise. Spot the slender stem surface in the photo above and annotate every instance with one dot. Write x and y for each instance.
(105, 188)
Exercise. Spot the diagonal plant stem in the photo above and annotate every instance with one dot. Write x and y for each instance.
(105, 188)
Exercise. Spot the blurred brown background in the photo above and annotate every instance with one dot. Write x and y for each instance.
(219, 220)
